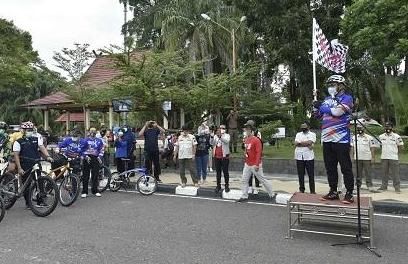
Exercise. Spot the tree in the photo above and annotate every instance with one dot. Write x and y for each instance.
(23, 77)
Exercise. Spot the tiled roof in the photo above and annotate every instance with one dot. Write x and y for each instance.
(52, 99)
(73, 117)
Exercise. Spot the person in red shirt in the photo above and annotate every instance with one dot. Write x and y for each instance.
(253, 163)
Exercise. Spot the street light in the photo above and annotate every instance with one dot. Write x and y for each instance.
(234, 56)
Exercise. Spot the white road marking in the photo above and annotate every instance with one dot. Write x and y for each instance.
(258, 203)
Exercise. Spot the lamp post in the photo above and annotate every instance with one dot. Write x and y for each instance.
(234, 55)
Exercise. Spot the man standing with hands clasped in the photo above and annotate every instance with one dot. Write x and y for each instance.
(365, 151)
(391, 144)
(304, 156)
(253, 163)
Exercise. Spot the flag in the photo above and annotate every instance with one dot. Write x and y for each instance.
(331, 55)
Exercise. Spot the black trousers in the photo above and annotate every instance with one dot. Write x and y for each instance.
(91, 167)
(333, 154)
(222, 165)
(27, 167)
(120, 165)
(153, 158)
(302, 166)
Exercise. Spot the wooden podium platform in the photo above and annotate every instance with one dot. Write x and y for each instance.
(308, 213)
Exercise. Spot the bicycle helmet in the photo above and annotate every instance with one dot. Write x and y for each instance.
(336, 79)
(3, 125)
(27, 125)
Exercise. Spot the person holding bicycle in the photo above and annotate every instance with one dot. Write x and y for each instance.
(71, 148)
(27, 151)
(92, 155)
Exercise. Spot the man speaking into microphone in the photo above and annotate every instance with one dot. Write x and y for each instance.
(335, 112)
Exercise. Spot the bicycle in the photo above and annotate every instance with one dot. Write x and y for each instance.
(146, 184)
(68, 189)
(42, 190)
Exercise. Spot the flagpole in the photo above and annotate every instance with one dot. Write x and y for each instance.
(314, 59)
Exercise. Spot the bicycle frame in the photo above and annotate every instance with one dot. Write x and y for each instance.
(32, 176)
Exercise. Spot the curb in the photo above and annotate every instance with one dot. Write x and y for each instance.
(379, 206)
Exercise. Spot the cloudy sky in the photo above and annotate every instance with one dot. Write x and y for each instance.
(55, 24)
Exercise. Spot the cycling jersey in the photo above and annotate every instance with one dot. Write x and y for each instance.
(71, 148)
(92, 147)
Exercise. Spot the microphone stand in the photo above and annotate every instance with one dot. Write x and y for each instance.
(359, 238)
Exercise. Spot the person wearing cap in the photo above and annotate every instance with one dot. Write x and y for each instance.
(221, 154)
(304, 156)
(253, 163)
(252, 179)
(27, 150)
(92, 154)
(185, 150)
(366, 156)
(232, 119)
(335, 112)
(391, 145)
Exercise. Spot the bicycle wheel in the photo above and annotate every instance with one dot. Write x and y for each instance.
(43, 196)
(2, 209)
(146, 185)
(68, 190)
(8, 183)
(104, 178)
(115, 182)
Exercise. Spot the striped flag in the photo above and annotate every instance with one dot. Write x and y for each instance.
(331, 55)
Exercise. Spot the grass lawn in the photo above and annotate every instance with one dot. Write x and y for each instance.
(285, 150)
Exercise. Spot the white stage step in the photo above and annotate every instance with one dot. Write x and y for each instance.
(283, 198)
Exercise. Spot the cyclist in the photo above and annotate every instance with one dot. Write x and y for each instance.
(92, 153)
(71, 148)
(26, 151)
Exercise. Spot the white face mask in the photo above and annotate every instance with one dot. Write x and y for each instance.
(332, 90)
(222, 131)
(120, 134)
(75, 139)
(29, 133)
(125, 129)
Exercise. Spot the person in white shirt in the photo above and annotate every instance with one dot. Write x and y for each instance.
(304, 156)
(391, 145)
(366, 157)
(185, 149)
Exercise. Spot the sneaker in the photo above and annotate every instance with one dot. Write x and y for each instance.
(330, 196)
(211, 170)
(196, 185)
(217, 189)
(242, 200)
(205, 182)
(273, 197)
(255, 191)
(159, 181)
(83, 195)
(249, 190)
(201, 182)
(183, 185)
(98, 195)
(227, 189)
(348, 198)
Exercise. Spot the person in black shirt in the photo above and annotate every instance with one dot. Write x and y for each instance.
(151, 132)
(203, 145)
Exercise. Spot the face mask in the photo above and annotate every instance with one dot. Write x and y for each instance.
(332, 90)
(75, 139)
(98, 135)
(125, 129)
(222, 131)
(388, 131)
(185, 133)
(305, 130)
(245, 134)
(360, 132)
(120, 134)
(29, 134)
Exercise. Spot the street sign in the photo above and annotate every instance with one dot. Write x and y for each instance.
(281, 133)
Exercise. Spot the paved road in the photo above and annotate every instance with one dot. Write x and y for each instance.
(129, 228)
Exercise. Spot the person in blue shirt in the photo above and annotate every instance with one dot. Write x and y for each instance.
(71, 148)
(335, 112)
(121, 148)
(92, 154)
